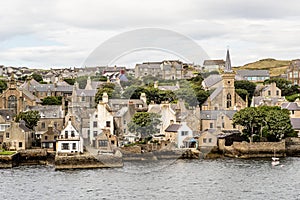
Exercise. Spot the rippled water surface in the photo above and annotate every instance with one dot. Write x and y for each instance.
(181, 179)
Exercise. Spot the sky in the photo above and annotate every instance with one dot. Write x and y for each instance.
(63, 33)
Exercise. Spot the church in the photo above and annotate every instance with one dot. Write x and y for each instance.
(219, 108)
(17, 99)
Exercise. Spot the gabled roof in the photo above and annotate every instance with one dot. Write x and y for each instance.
(22, 126)
(30, 95)
(48, 111)
(173, 128)
(295, 123)
(290, 106)
(212, 80)
(213, 114)
(216, 93)
(7, 114)
(213, 62)
(89, 93)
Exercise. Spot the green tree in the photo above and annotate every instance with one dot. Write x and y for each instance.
(52, 100)
(30, 117)
(3, 86)
(245, 85)
(144, 124)
(242, 93)
(37, 77)
(70, 81)
(270, 122)
(112, 90)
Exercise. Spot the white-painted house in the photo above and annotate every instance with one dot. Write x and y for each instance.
(69, 140)
(101, 119)
(178, 133)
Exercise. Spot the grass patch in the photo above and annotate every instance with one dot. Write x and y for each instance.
(7, 152)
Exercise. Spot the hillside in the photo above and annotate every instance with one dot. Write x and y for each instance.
(276, 67)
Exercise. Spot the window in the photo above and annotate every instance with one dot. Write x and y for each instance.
(96, 116)
(107, 123)
(209, 140)
(183, 133)
(124, 122)
(124, 130)
(223, 125)
(95, 133)
(46, 137)
(72, 133)
(234, 126)
(293, 112)
(66, 134)
(55, 124)
(204, 140)
(95, 124)
(83, 98)
(211, 125)
(7, 135)
(277, 92)
(12, 103)
(43, 125)
(269, 92)
(65, 146)
(228, 100)
(74, 146)
(102, 143)
(20, 144)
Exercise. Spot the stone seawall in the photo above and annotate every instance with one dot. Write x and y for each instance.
(33, 157)
(254, 149)
(135, 155)
(292, 146)
(9, 161)
(88, 161)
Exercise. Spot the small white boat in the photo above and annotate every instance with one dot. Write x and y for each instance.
(275, 160)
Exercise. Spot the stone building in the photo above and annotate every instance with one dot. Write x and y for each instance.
(166, 70)
(270, 95)
(18, 136)
(225, 97)
(220, 106)
(48, 138)
(6, 117)
(17, 99)
(50, 114)
(293, 72)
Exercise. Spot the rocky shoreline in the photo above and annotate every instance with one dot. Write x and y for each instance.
(288, 147)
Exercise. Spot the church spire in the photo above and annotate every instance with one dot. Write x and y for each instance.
(228, 63)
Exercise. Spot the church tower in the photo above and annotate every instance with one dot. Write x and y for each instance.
(228, 85)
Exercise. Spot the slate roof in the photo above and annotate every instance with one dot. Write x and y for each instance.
(253, 73)
(290, 106)
(260, 100)
(89, 93)
(5, 112)
(295, 123)
(213, 114)
(30, 95)
(216, 93)
(48, 111)
(173, 128)
(22, 126)
(122, 111)
(212, 80)
(214, 62)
